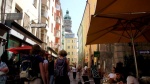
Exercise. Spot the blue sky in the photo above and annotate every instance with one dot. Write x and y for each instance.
(76, 10)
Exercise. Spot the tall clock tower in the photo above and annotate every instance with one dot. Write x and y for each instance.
(69, 41)
(67, 22)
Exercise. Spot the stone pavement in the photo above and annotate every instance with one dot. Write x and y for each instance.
(75, 81)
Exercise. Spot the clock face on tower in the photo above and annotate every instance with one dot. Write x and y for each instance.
(67, 22)
(67, 26)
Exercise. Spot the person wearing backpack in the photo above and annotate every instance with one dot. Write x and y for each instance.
(37, 69)
(61, 66)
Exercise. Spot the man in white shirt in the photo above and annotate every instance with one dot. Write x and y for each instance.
(74, 70)
(131, 79)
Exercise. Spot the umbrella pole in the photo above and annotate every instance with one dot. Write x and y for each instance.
(133, 47)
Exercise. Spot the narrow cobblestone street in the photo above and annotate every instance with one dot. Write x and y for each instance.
(75, 81)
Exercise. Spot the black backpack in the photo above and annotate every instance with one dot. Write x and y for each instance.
(61, 67)
(51, 67)
(27, 68)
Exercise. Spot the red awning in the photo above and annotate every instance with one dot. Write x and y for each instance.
(18, 49)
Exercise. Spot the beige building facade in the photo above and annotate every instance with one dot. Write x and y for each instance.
(86, 51)
(87, 55)
(71, 48)
(108, 52)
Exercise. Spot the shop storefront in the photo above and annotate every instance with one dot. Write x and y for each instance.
(19, 36)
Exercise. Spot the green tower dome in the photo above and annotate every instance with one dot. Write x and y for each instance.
(67, 15)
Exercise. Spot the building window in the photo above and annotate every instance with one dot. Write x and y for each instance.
(72, 53)
(26, 22)
(72, 41)
(72, 59)
(68, 47)
(68, 59)
(68, 53)
(18, 10)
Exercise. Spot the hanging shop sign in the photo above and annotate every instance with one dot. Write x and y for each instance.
(144, 51)
(38, 25)
(13, 16)
(96, 53)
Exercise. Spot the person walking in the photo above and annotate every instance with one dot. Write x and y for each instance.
(3, 70)
(85, 75)
(74, 71)
(51, 69)
(131, 79)
(95, 74)
(38, 66)
(61, 66)
(79, 70)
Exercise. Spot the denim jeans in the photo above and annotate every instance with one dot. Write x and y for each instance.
(51, 79)
(3, 79)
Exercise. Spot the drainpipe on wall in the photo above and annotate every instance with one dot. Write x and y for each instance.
(3, 5)
(39, 19)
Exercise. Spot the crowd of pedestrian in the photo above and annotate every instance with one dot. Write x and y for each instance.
(47, 70)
